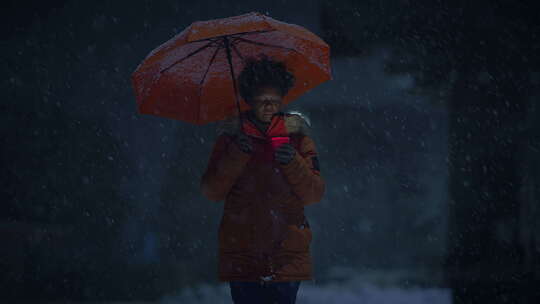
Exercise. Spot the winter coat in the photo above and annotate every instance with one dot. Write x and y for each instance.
(263, 231)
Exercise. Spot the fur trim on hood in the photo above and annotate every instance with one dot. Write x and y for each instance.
(294, 122)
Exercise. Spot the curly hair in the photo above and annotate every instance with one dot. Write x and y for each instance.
(262, 72)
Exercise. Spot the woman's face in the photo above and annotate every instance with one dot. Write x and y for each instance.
(266, 103)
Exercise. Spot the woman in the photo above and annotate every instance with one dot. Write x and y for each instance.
(264, 236)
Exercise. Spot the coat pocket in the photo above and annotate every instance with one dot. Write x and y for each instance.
(234, 234)
(298, 238)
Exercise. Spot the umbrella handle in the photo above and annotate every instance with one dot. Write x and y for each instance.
(228, 50)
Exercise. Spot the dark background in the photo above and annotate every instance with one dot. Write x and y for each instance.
(428, 138)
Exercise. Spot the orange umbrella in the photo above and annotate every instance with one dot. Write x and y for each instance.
(191, 77)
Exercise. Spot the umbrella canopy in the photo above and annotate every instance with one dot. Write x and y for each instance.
(191, 77)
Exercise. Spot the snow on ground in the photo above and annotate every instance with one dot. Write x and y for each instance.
(354, 290)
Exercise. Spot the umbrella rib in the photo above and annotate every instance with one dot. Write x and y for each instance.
(189, 55)
(209, 65)
(232, 35)
(236, 51)
(236, 35)
(264, 44)
(204, 78)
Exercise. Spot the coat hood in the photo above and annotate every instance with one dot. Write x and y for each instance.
(295, 123)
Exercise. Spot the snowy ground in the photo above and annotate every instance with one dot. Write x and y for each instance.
(353, 290)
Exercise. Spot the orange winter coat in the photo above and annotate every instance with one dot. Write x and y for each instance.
(263, 231)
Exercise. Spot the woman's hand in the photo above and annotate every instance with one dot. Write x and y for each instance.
(285, 153)
(244, 142)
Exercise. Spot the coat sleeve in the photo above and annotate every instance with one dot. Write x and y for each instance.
(303, 173)
(226, 164)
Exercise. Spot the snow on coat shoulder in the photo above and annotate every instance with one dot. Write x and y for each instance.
(295, 122)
